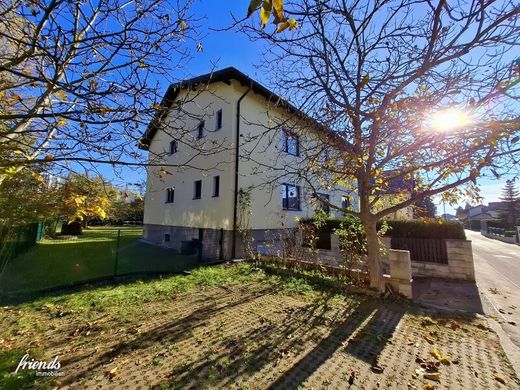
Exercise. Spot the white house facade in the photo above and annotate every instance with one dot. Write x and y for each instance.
(218, 137)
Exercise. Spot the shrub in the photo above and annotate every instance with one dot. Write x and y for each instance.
(71, 228)
(426, 228)
(421, 228)
(499, 224)
(510, 233)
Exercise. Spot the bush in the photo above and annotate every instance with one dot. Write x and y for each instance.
(422, 228)
(499, 224)
(510, 233)
(72, 228)
(427, 228)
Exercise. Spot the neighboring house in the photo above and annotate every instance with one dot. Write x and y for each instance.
(228, 136)
(482, 212)
(449, 217)
(395, 192)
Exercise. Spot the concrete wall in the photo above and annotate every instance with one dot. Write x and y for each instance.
(400, 278)
(460, 262)
(509, 240)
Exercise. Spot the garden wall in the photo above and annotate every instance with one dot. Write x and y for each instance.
(509, 240)
(460, 262)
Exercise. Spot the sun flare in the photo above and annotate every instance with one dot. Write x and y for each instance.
(450, 119)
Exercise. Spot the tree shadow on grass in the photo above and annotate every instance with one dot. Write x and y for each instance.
(177, 330)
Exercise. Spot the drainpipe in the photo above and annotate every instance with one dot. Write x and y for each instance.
(237, 158)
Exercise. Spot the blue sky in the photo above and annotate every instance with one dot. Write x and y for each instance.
(230, 48)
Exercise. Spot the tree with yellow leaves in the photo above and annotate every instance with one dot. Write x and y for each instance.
(412, 91)
(84, 198)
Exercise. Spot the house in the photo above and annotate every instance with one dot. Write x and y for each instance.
(449, 217)
(397, 189)
(482, 212)
(225, 154)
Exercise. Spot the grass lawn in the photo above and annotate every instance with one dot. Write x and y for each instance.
(235, 327)
(59, 262)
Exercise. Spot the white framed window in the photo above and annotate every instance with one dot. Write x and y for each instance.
(291, 197)
(322, 202)
(290, 143)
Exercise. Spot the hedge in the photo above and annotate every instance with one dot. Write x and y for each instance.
(423, 228)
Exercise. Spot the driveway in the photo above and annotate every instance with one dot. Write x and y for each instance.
(497, 270)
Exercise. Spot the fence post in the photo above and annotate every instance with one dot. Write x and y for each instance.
(117, 251)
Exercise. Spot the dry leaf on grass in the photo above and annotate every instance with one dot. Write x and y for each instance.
(433, 376)
(500, 379)
(113, 372)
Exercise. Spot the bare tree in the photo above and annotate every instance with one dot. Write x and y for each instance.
(418, 91)
(79, 79)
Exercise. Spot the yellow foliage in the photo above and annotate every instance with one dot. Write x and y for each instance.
(265, 12)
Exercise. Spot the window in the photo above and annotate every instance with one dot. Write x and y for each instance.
(345, 202)
(290, 143)
(322, 205)
(173, 147)
(197, 189)
(200, 131)
(290, 197)
(170, 195)
(166, 237)
(216, 186)
(219, 119)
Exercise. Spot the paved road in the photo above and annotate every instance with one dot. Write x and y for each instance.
(497, 270)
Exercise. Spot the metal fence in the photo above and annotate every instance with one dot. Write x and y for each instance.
(99, 253)
(423, 249)
(15, 240)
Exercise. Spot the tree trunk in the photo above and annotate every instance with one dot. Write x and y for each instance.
(373, 263)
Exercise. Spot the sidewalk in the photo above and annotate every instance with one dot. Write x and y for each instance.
(452, 295)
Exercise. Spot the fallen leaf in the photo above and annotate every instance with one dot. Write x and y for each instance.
(436, 354)
(428, 386)
(454, 325)
(500, 379)
(377, 369)
(351, 378)
(446, 360)
(113, 372)
(433, 376)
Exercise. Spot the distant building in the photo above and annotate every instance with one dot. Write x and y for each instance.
(480, 212)
(449, 217)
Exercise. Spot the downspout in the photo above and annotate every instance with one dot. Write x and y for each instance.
(237, 159)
